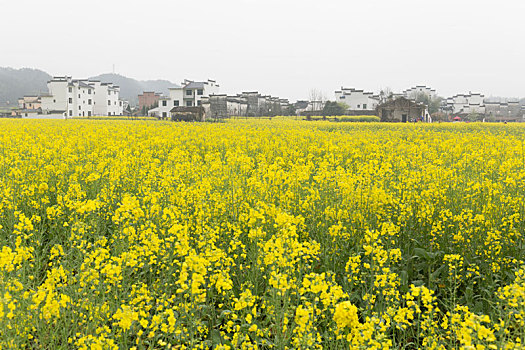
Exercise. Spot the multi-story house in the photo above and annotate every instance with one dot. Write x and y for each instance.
(194, 91)
(164, 108)
(107, 100)
(81, 98)
(358, 101)
(246, 104)
(148, 99)
(465, 104)
(30, 102)
(506, 110)
(223, 106)
(190, 94)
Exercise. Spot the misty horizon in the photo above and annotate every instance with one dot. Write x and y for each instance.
(280, 49)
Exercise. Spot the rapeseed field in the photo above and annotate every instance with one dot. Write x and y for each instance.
(261, 235)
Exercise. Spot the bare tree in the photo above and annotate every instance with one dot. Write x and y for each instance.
(317, 99)
(385, 95)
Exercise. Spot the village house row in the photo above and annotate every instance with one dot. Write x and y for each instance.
(69, 97)
(206, 94)
(396, 107)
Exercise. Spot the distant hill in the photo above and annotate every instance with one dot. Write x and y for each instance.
(15, 83)
(131, 88)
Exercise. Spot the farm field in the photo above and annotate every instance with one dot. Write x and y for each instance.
(261, 234)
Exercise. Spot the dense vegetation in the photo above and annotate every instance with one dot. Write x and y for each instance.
(261, 234)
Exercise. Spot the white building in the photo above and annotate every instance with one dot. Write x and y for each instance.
(106, 98)
(357, 100)
(413, 92)
(194, 91)
(81, 98)
(466, 104)
(164, 108)
(190, 94)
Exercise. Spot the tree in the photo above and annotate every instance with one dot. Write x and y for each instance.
(385, 95)
(317, 99)
(290, 110)
(439, 117)
(432, 102)
(333, 109)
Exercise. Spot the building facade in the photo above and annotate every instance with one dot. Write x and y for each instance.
(358, 101)
(464, 104)
(81, 98)
(402, 110)
(413, 92)
(502, 111)
(148, 99)
(189, 94)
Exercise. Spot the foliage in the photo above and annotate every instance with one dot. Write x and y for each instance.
(440, 117)
(433, 103)
(15, 83)
(334, 108)
(290, 110)
(473, 117)
(261, 234)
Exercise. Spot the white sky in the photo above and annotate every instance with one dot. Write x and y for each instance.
(283, 48)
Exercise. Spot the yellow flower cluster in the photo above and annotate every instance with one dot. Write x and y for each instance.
(268, 234)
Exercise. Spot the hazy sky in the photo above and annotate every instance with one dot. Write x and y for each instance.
(284, 48)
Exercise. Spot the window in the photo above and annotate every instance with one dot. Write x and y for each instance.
(176, 103)
(199, 102)
(189, 103)
(78, 95)
(79, 108)
(70, 89)
(70, 100)
(109, 103)
(358, 106)
(89, 92)
(164, 103)
(89, 113)
(54, 101)
(89, 102)
(342, 97)
(164, 114)
(364, 106)
(200, 92)
(70, 113)
(189, 93)
(120, 103)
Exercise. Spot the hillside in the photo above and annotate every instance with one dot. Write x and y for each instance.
(131, 88)
(15, 83)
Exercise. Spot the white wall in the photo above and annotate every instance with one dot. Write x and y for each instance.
(58, 101)
(357, 100)
(165, 106)
(176, 94)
